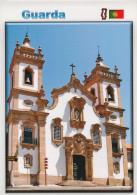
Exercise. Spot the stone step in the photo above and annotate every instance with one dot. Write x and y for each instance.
(81, 183)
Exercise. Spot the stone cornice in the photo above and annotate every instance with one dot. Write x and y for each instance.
(26, 56)
(33, 116)
(111, 108)
(113, 126)
(23, 91)
(97, 77)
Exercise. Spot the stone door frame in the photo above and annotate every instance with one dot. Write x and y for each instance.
(79, 145)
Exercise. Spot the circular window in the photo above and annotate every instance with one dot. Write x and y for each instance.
(113, 117)
(28, 103)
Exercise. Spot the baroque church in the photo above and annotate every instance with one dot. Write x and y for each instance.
(82, 135)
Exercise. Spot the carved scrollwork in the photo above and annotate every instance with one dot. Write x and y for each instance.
(79, 145)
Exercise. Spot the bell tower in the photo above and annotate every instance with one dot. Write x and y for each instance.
(105, 85)
(26, 67)
(26, 117)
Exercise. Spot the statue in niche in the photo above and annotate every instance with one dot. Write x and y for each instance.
(77, 115)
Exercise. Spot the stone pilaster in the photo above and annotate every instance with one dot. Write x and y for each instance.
(16, 76)
(41, 152)
(14, 149)
(119, 96)
(15, 101)
(69, 164)
(90, 166)
(40, 78)
(111, 179)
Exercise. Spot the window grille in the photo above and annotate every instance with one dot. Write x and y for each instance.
(96, 137)
(114, 146)
(28, 160)
(57, 133)
(27, 134)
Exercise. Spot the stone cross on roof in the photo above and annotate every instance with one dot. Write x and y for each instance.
(72, 65)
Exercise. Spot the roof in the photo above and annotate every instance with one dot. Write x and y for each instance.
(129, 146)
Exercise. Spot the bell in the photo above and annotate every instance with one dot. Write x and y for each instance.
(27, 80)
(109, 96)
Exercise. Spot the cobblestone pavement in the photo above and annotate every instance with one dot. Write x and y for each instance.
(67, 188)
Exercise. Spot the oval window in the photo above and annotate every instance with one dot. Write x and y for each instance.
(113, 117)
(28, 103)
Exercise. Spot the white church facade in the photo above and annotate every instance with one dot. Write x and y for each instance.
(82, 134)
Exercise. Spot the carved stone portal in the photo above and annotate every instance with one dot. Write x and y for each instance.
(79, 145)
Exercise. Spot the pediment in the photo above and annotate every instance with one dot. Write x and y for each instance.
(74, 83)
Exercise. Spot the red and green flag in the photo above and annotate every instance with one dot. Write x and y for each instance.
(116, 14)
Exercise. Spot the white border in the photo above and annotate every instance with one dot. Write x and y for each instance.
(79, 10)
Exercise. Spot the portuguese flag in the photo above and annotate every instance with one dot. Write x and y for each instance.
(116, 14)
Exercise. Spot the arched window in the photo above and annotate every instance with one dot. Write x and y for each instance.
(57, 133)
(96, 138)
(114, 145)
(96, 135)
(28, 76)
(110, 93)
(92, 91)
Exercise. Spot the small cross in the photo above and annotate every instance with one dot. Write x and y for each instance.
(27, 31)
(72, 68)
(98, 50)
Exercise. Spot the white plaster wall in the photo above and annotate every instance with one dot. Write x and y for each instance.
(34, 153)
(100, 163)
(26, 97)
(22, 152)
(35, 69)
(11, 103)
(105, 84)
(9, 143)
(56, 154)
(116, 121)
(96, 92)
(121, 174)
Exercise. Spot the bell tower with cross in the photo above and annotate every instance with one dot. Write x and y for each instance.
(105, 85)
(26, 117)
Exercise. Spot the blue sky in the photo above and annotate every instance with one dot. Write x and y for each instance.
(66, 43)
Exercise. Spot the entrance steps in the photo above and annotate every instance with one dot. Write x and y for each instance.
(81, 183)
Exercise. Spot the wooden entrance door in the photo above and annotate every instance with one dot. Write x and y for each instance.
(78, 167)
